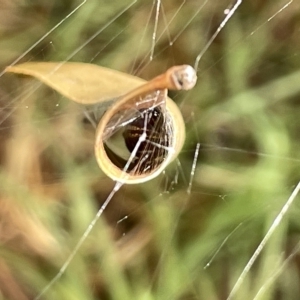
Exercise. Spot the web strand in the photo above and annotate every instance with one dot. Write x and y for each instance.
(80, 242)
(229, 14)
(46, 35)
(264, 241)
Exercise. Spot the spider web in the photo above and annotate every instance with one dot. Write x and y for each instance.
(189, 233)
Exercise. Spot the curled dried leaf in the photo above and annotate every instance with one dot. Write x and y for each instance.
(151, 123)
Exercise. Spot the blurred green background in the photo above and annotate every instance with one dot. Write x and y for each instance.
(161, 239)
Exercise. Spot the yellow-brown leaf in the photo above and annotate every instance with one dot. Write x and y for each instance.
(81, 82)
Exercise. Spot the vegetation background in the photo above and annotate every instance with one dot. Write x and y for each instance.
(244, 112)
